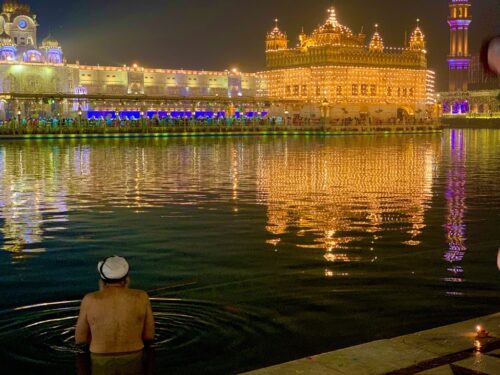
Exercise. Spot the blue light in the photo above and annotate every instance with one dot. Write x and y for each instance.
(152, 114)
(455, 63)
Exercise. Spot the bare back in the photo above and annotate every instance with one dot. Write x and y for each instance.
(115, 320)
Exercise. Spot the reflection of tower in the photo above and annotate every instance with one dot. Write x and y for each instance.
(455, 197)
(459, 59)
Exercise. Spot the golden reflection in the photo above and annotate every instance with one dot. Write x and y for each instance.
(341, 195)
(455, 200)
(348, 191)
(41, 181)
(27, 196)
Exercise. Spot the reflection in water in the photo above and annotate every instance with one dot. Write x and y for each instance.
(318, 202)
(455, 202)
(28, 195)
(343, 195)
(41, 182)
(338, 192)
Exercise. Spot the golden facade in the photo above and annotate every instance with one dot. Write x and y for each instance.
(335, 69)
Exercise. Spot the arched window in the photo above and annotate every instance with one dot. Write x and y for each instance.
(8, 53)
(32, 56)
(54, 56)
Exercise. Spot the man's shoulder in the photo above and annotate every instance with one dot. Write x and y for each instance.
(91, 296)
(139, 293)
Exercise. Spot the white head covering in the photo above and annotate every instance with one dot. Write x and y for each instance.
(113, 268)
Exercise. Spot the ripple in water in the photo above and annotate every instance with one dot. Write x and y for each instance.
(43, 334)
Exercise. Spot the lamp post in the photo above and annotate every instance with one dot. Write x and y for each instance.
(19, 115)
(286, 117)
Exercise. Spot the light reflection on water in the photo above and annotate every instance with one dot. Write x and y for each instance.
(338, 194)
(295, 229)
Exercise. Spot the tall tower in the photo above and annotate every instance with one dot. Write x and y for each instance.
(459, 20)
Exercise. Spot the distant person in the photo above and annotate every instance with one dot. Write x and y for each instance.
(116, 322)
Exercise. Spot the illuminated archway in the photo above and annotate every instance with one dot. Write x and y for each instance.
(405, 112)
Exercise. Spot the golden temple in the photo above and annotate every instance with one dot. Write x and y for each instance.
(341, 75)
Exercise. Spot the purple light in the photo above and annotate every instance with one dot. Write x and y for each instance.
(455, 23)
(458, 107)
(458, 64)
(54, 56)
(8, 53)
(32, 56)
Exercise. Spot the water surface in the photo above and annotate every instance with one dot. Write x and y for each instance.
(256, 250)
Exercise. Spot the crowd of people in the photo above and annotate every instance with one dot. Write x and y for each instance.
(85, 125)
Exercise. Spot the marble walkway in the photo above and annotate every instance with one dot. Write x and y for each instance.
(449, 350)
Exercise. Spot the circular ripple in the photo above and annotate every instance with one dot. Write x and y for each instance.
(43, 334)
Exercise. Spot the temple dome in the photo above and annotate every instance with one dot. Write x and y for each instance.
(6, 40)
(276, 33)
(50, 42)
(377, 43)
(276, 39)
(417, 39)
(331, 32)
(13, 6)
(417, 35)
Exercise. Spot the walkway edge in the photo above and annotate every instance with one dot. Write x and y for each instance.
(207, 134)
(423, 352)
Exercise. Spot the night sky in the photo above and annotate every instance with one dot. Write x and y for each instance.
(221, 34)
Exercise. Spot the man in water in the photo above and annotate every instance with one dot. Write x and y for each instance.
(116, 322)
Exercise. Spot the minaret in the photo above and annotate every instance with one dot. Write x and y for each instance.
(459, 59)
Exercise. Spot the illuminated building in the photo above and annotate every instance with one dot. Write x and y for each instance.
(459, 21)
(472, 92)
(29, 67)
(341, 75)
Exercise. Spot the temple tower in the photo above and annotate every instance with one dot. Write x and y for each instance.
(459, 20)
(276, 40)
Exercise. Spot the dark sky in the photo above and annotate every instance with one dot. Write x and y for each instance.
(220, 34)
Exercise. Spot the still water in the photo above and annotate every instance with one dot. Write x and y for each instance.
(256, 250)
